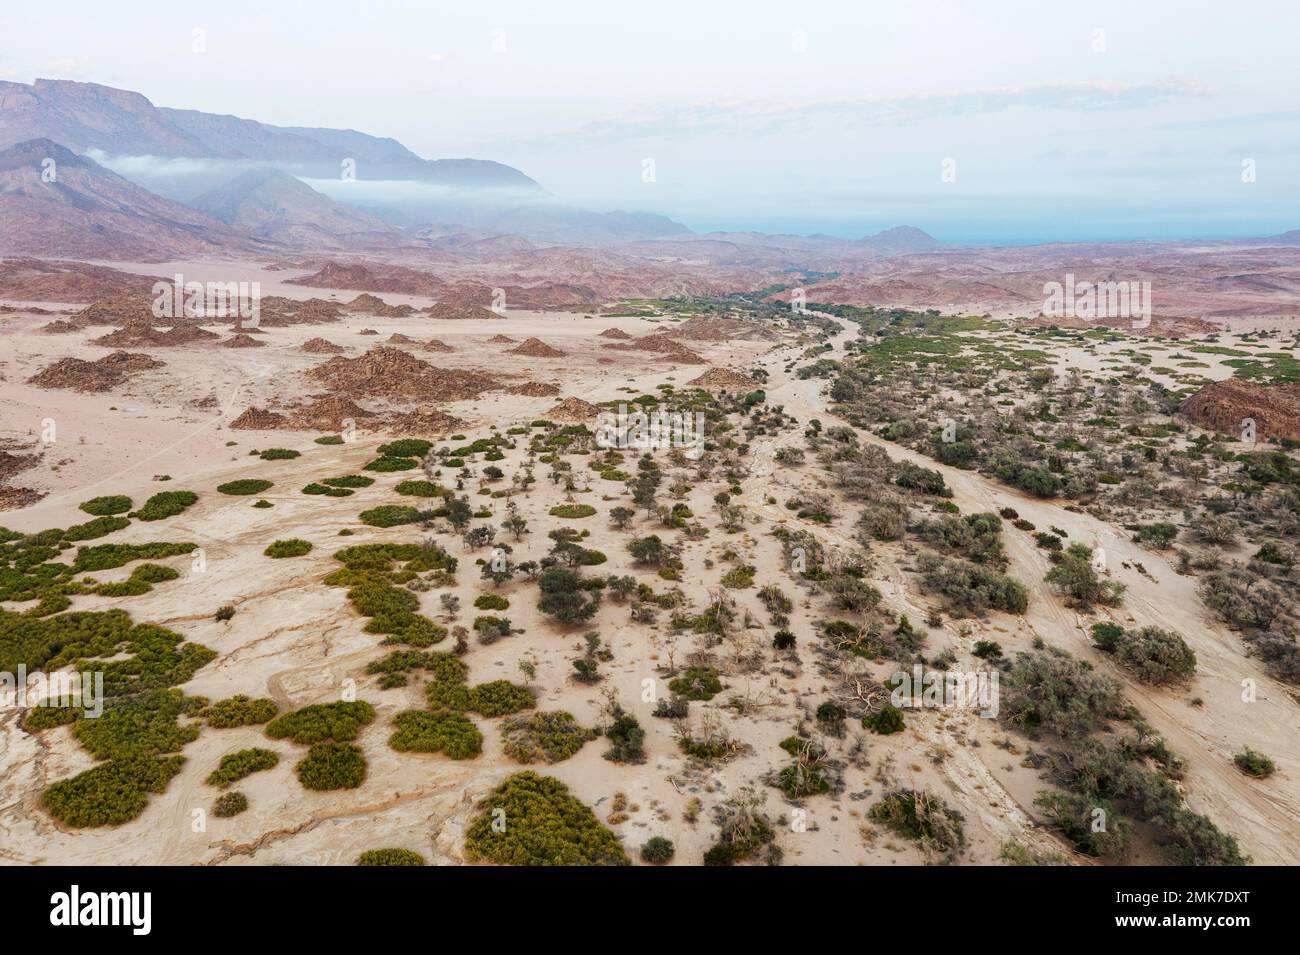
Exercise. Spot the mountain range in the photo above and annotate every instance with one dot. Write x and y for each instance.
(140, 181)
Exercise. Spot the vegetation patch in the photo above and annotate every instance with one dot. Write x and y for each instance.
(245, 486)
(339, 722)
(244, 762)
(332, 766)
(240, 710)
(547, 736)
(439, 731)
(544, 825)
(293, 547)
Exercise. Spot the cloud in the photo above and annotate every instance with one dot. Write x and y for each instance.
(732, 116)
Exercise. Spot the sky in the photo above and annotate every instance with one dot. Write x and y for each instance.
(981, 122)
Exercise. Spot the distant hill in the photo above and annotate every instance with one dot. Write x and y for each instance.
(78, 209)
(88, 116)
(903, 238)
(273, 205)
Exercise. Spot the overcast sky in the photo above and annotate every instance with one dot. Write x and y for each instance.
(1055, 120)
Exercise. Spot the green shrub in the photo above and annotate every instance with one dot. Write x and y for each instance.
(1156, 656)
(165, 504)
(244, 486)
(390, 857)
(626, 738)
(406, 448)
(491, 602)
(889, 720)
(439, 731)
(102, 506)
(920, 816)
(229, 804)
(330, 439)
(386, 464)
(419, 489)
(389, 515)
(339, 722)
(240, 711)
(1254, 764)
(830, 712)
(143, 724)
(293, 547)
(551, 736)
(572, 510)
(697, 683)
(544, 825)
(332, 766)
(111, 793)
(96, 528)
(322, 491)
(499, 697)
(657, 850)
(279, 454)
(349, 481)
(244, 762)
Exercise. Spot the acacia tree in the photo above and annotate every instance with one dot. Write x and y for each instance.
(567, 596)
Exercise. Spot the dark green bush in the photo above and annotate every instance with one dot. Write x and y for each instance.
(389, 515)
(544, 825)
(887, 721)
(339, 722)
(229, 804)
(244, 486)
(697, 683)
(657, 850)
(390, 857)
(111, 504)
(240, 711)
(386, 464)
(244, 762)
(111, 793)
(439, 731)
(165, 504)
(293, 547)
(332, 766)
(551, 736)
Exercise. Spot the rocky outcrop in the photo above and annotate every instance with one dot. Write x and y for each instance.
(1223, 406)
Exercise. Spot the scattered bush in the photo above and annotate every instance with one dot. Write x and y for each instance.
(245, 486)
(923, 817)
(332, 766)
(165, 504)
(545, 825)
(293, 547)
(888, 720)
(697, 683)
(389, 515)
(549, 736)
(390, 857)
(339, 722)
(1254, 764)
(244, 762)
(439, 731)
(657, 850)
(229, 804)
(572, 510)
(103, 506)
(240, 711)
